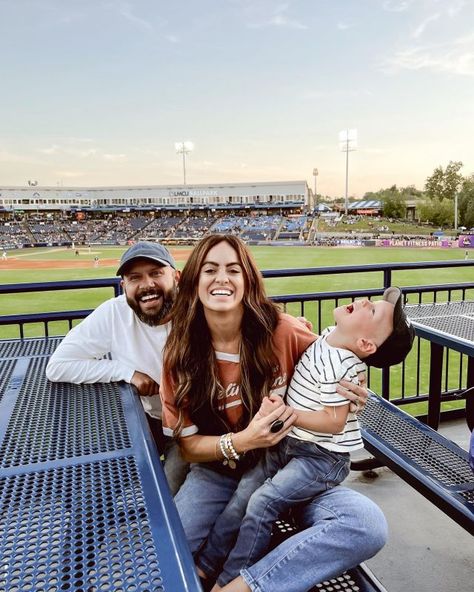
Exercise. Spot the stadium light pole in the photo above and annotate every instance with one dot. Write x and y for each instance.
(184, 148)
(347, 143)
(315, 175)
(456, 211)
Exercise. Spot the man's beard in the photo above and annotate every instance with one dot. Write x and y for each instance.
(153, 319)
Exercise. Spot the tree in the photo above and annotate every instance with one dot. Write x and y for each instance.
(393, 201)
(410, 192)
(443, 184)
(466, 203)
(394, 204)
(438, 212)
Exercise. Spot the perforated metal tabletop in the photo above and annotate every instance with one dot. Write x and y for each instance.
(84, 506)
(15, 348)
(450, 325)
(450, 320)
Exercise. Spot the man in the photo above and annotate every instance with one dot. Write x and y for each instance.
(132, 328)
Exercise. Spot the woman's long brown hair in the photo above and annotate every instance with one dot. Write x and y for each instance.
(189, 357)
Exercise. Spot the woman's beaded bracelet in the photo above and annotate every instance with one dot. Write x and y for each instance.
(223, 446)
(229, 454)
(218, 448)
(230, 446)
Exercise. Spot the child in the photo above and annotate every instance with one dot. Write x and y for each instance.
(315, 455)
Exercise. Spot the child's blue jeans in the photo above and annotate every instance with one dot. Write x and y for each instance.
(292, 473)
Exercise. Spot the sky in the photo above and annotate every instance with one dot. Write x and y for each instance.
(97, 92)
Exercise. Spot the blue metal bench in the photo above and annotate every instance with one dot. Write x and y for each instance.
(436, 467)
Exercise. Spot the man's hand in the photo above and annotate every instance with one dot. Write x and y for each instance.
(145, 385)
(356, 393)
(306, 322)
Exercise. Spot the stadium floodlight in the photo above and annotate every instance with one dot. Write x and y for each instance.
(347, 143)
(184, 148)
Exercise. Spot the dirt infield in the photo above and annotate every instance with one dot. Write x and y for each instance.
(13, 263)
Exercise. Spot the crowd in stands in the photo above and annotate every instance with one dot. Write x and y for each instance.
(161, 228)
(261, 228)
(194, 227)
(71, 229)
(230, 224)
(292, 228)
(13, 235)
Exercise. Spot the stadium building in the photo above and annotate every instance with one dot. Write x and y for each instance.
(270, 195)
(174, 214)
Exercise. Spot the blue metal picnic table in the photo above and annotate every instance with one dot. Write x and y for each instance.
(84, 504)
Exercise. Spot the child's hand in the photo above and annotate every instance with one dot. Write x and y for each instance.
(268, 406)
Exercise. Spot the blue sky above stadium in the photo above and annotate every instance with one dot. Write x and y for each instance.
(96, 92)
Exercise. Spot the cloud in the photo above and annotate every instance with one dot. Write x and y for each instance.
(172, 38)
(125, 10)
(282, 21)
(11, 157)
(114, 157)
(69, 19)
(456, 58)
(344, 26)
(54, 149)
(330, 94)
(422, 26)
(75, 140)
(397, 5)
(455, 7)
(374, 151)
(68, 174)
(279, 19)
(83, 153)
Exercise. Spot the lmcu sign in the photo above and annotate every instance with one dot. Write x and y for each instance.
(192, 193)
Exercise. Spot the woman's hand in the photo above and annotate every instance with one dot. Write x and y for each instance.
(357, 394)
(257, 434)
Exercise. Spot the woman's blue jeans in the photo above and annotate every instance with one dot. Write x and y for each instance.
(342, 529)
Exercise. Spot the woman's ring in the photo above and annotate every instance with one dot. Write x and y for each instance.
(276, 426)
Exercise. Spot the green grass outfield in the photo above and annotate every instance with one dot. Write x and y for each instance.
(275, 257)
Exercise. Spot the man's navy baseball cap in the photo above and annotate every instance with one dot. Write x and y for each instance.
(145, 250)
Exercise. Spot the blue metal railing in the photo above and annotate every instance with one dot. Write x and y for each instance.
(317, 306)
(23, 319)
(63, 285)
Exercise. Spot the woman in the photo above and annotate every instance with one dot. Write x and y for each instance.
(229, 347)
